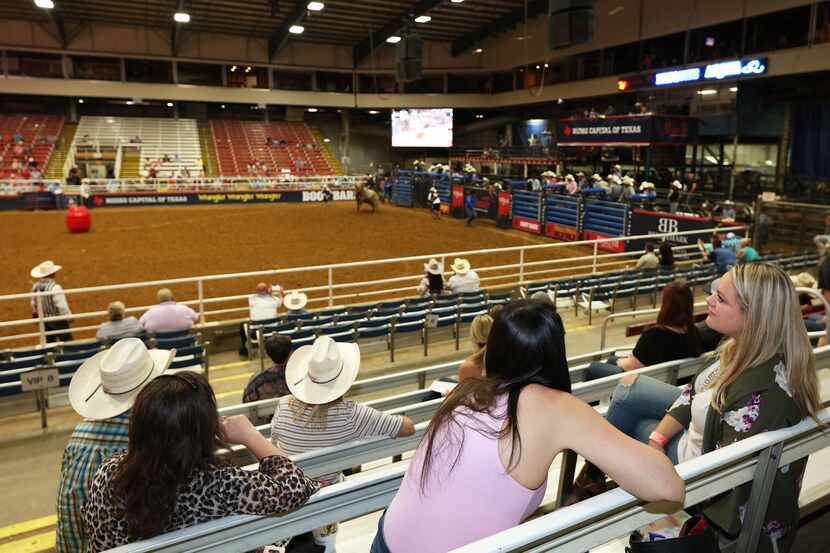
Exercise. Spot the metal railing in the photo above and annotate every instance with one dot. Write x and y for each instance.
(329, 291)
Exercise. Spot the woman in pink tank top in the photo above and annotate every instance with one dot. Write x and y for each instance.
(483, 463)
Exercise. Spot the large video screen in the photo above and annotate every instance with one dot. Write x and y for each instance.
(422, 128)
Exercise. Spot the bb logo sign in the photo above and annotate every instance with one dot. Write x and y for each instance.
(667, 226)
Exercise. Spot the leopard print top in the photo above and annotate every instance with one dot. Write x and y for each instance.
(277, 487)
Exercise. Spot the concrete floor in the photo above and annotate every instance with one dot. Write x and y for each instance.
(30, 458)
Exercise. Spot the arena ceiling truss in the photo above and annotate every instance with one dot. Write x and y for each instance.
(362, 24)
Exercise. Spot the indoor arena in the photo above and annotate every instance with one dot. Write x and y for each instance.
(399, 276)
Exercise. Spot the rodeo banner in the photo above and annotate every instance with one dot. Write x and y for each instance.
(632, 131)
(659, 222)
(204, 198)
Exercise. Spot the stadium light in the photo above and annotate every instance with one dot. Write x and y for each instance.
(457, 1)
(478, 50)
(80, 100)
(479, 116)
(170, 104)
(233, 68)
(373, 112)
(327, 140)
(707, 91)
(296, 29)
(733, 89)
(315, 6)
(181, 17)
(130, 102)
(45, 4)
(312, 110)
(394, 39)
(423, 19)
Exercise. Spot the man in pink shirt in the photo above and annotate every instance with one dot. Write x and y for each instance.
(168, 316)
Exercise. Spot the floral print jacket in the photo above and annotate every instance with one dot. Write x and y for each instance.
(759, 400)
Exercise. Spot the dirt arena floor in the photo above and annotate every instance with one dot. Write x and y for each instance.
(141, 244)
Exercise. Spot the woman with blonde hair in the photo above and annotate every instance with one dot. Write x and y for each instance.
(474, 364)
(763, 379)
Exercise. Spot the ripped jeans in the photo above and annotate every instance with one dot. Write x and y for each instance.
(636, 409)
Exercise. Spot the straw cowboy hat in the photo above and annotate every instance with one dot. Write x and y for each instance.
(45, 269)
(596, 177)
(646, 185)
(460, 266)
(107, 383)
(294, 300)
(323, 371)
(569, 177)
(804, 280)
(548, 173)
(677, 184)
(434, 267)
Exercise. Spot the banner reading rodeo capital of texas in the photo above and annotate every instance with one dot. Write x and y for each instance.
(628, 131)
(205, 198)
(659, 222)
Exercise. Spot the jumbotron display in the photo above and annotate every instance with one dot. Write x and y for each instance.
(422, 128)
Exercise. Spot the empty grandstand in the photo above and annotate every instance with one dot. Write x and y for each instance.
(157, 147)
(269, 149)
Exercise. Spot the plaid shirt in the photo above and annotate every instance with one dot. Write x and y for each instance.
(91, 444)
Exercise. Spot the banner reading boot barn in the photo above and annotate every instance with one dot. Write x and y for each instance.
(626, 131)
(660, 222)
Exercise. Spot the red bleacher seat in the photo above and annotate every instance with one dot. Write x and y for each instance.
(39, 132)
(241, 143)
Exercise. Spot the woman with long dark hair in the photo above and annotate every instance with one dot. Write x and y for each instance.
(433, 282)
(170, 478)
(483, 463)
(674, 336)
(666, 256)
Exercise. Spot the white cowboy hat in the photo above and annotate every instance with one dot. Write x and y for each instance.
(107, 383)
(45, 269)
(569, 177)
(626, 179)
(677, 184)
(803, 280)
(548, 174)
(323, 371)
(646, 185)
(294, 300)
(460, 266)
(730, 235)
(595, 177)
(434, 267)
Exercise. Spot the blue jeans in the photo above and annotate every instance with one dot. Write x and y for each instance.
(598, 369)
(379, 543)
(635, 410)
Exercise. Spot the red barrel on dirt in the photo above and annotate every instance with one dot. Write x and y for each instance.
(78, 219)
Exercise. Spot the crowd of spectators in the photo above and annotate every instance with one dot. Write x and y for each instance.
(144, 460)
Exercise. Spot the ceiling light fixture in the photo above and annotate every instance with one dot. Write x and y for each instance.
(457, 1)
(181, 17)
(223, 106)
(129, 102)
(373, 112)
(394, 39)
(233, 68)
(296, 29)
(479, 116)
(478, 50)
(80, 100)
(170, 104)
(312, 110)
(248, 69)
(707, 91)
(45, 4)
(423, 19)
(733, 89)
(327, 140)
(315, 6)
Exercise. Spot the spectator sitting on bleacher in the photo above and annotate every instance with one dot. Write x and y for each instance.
(483, 464)
(815, 321)
(168, 316)
(170, 477)
(295, 303)
(764, 380)
(102, 391)
(270, 383)
(473, 365)
(118, 327)
(675, 336)
(316, 416)
(262, 306)
(666, 256)
(746, 253)
(649, 260)
(464, 279)
(433, 282)
(723, 258)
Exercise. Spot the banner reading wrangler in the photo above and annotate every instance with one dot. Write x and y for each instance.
(631, 131)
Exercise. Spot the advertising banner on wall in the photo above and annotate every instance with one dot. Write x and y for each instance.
(206, 198)
(614, 246)
(527, 225)
(660, 222)
(626, 131)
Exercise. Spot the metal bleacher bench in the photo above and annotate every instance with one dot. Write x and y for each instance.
(572, 529)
